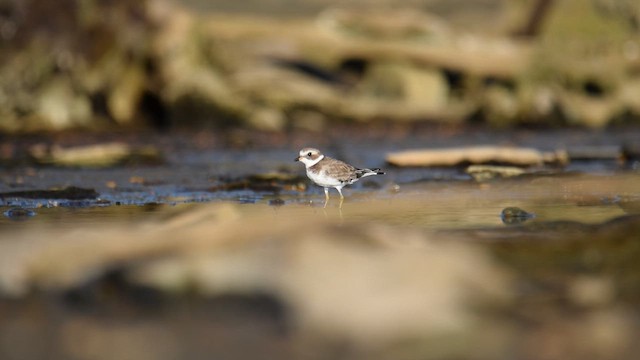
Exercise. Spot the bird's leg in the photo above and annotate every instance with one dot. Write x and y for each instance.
(326, 196)
(341, 197)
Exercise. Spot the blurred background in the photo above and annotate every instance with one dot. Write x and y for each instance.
(151, 208)
(277, 65)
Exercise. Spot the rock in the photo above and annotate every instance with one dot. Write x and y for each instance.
(420, 87)
(399, 81)
(379, 24)
(515, 215)
(197, 91)
(66, 59)
(308, 120)
(538, 103)
(60, 107)
(588, 111)
(488, 172)
(124, 98)
(268, 119)
(294, 91)
(630, 90)
(126, 61)
(499, 105)
(591, 91)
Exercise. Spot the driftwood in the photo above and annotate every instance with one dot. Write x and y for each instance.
(475, 155)
(97, 155)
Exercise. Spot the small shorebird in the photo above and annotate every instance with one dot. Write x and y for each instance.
(331, 173)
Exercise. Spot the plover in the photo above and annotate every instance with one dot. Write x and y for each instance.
(331, 173)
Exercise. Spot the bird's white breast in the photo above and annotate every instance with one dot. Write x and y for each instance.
(322, 179)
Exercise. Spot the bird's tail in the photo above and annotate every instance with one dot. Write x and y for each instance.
(368, 172)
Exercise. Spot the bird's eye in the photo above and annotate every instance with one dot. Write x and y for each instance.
(309, 154)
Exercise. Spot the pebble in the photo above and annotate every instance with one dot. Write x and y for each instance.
(514, 215)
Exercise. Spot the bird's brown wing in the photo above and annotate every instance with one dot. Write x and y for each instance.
(340, 170)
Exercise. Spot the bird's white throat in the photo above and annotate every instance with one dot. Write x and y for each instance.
(309, 163)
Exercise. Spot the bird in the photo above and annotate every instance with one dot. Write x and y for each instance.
(331, 173)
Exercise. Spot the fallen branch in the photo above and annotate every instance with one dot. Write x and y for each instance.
(475, 155)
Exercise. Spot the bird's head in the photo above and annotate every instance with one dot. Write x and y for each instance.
(309, 156)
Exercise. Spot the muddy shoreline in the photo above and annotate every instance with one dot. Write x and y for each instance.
(208, 165)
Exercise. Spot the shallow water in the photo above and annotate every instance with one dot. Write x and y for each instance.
(197, 166)
(582, 198)
(456, 204)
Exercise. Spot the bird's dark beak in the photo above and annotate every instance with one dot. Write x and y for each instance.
(297, 159)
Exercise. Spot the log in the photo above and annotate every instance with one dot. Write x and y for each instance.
(475, 155)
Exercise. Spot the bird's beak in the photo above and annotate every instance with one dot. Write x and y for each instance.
(297, 159)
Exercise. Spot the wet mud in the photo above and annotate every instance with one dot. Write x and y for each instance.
(251, 166)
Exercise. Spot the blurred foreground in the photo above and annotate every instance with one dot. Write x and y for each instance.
(373, 281)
